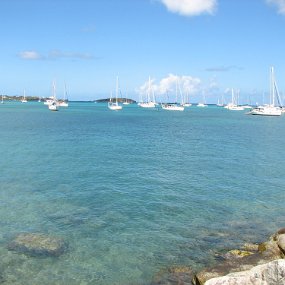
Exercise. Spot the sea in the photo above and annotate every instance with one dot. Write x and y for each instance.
(134, 192)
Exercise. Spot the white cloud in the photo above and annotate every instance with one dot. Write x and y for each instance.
(191, 7)
(30, 55)
(60, 54)
(280, 4)
(167, 85)
(54, 54)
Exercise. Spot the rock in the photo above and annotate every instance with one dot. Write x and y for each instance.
(37, 244)
(281, 242)
(252, 247)
(266, 274)
(241, 260)
(237, 253)
(281, 231)
(270, 250)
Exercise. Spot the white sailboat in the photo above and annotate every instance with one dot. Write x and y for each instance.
(126, 102)
(173, 106)
(64, 102)
(221, 102)
(53, 103)
(115, 105)
(149, 103)
(270, 109)
(202, 104)
(24, 100)
(234, 106)
(2, 100)
(186, 101)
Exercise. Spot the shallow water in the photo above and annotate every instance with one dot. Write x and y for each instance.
(134, 191)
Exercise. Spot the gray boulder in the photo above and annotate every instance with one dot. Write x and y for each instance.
(266, 274)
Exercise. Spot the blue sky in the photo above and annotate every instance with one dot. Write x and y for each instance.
(210, 45)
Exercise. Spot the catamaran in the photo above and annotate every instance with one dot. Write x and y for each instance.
(270, 109)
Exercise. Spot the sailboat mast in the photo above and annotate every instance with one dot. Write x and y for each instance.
(272, 93)
(117, 89)
(176, 90)
(64, 95)
(148, 93)
(53, 90)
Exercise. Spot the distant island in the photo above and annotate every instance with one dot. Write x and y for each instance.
(36, 98)
(19, 98)
(120, 100)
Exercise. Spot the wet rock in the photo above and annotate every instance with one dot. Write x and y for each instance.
(252, 247)
(37, 244)
(266, 274)
(270, 250)
(237, 253)
(281, 231)
(281, 242)
(239, 260)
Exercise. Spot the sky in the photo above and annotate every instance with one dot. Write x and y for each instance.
(207, 46)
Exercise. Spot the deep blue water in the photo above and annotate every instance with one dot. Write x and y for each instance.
(135, 191)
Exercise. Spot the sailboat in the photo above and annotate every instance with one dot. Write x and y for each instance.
(2, 100)
(173, 106)
(149, 103)
(64, 102)
(126, 102)
(234, 104)
(270, 109)
(220, 102)
(24, 100)
(115, 105)
(186, 101)
(202, 104)
(53, 103)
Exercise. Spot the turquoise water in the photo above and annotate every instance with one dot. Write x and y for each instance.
(136, 191)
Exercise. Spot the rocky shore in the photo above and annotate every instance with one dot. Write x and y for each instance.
(253, 264)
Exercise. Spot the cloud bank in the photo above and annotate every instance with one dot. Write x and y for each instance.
(186, 84)
(190, 7)
(280, 4)
(52, 55)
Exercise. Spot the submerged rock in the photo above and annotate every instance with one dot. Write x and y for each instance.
(174, 275)
(266, 274)
(237, 253)
(37, 244)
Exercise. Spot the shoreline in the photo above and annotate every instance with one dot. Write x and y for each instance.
(235, 266)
